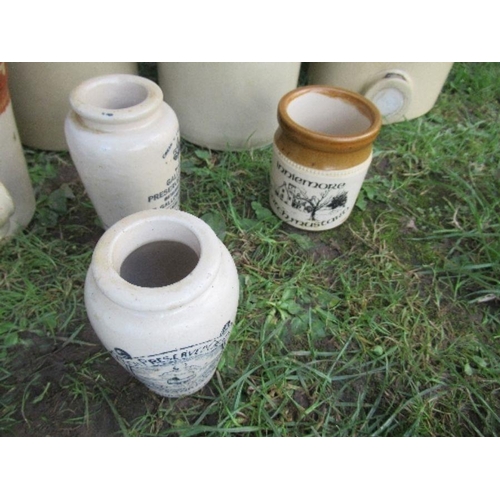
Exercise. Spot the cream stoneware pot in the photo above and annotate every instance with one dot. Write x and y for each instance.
(227, 105)
(322, 151)
(161, 294)
(40, 95)
(17, 200)
(124, 141)
(401, 90)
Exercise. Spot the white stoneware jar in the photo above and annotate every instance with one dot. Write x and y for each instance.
(17, 200)
(401, 90)
(124, 141)
(161, 294)
(227, 105)
(40, 95)
(322, 151)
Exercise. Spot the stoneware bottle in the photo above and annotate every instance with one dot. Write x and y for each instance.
(124, 140)
(401, 90)
(17, 200)
(161, 294)
(227, 105)
(40, 95)
(322, 151)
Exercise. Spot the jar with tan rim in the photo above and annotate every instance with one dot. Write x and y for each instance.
(17, 199)
(322, 152)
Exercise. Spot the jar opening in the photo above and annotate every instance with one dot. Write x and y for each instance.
(158, 264)
(329, 115)
(116, 95)
(183, 250)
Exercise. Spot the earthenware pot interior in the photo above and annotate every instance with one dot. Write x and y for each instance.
(159, 263)
(116, 95)
(327, 114)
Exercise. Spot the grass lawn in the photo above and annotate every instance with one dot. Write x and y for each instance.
(388, 325)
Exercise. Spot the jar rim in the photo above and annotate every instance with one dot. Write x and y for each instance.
(337, 143)
(139, 229)
(116, 98)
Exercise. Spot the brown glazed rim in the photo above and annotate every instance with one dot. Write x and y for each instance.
(328, 142)
(4, 89)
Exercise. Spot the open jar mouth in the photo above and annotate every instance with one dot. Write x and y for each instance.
(156, 260)
(116, 98)
(329, 118)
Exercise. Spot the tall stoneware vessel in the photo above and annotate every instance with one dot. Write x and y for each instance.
(401, 90)
(40, 94)
(17, 201)
(124, 141)
(322, 152)
(161, 294)
(227, 105)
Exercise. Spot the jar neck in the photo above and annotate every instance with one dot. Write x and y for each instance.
(116, 102)
(136, 232)
(317, 159)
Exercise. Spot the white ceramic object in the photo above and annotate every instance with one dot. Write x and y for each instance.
(322, 152)
(40, 96)
(401, 90)
(17, 200)
(124, 141)
(6, 211)
(227, 105)
(161, 294)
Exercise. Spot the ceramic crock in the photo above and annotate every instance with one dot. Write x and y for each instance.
(17, 200)
(322, 151)
(124, 141)
(227, 105)
(40, 92)
(401, 90)
(161, 294)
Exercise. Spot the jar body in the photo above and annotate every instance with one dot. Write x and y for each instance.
(227, 105)
(40, 95)
(126, 167)
(313, 199)
(171, 337)
(401, 90)
(18, 199)
(322, 152)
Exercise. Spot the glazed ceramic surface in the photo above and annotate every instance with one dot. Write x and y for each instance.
(125, 143)
(17, 200)
(161, 294)
(227, 105)
(322, 152)
(40, 95)
(6, 211)
(401, 90)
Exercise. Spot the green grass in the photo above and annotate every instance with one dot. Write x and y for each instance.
(386, 326)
